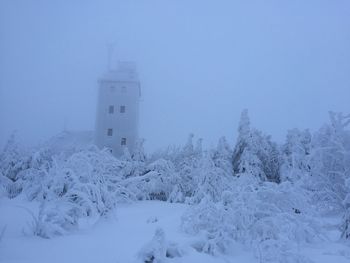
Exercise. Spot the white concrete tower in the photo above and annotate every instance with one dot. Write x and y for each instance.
(118, 109)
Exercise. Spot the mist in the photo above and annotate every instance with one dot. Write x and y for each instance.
(199, 63)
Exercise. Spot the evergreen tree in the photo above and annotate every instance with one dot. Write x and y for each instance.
(243, 155)
(296, 152)
(13, 159)
(329, 163)
(186, 164)
(222, 156)
(211, 180)
(255, 154)
(138, 159)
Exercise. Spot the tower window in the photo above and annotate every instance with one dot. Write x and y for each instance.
(110, 132)
(123, 141)
(122, 109)
(111, 109)
(123, 89)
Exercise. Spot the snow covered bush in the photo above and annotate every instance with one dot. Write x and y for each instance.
(33, 178)
(156, 184)
(211, 222)
(13, 160)
(155, 251)
(158, 250)
(267, 217)
(8, 188)
(84, 186)
(185, 161)
(54, 218)
(24, 169)
(210, 179)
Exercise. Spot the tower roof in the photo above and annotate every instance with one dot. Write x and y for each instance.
(126, 71)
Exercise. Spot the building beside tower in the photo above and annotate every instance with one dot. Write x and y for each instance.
(117, 112)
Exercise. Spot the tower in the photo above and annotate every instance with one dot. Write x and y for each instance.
(117, 112)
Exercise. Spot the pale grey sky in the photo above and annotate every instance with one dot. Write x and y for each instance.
(200, 63)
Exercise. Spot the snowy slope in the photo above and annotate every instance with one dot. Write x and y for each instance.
(116, 239)
(121, 236)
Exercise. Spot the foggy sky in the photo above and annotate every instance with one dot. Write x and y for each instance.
(200, 63)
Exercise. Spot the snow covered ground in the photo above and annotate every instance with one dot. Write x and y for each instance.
(120, 237)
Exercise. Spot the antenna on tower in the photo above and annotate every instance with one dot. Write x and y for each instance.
(110, 50)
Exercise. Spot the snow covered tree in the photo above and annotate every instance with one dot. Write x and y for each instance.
(5, 184)
(245, 158)
(211, 180)
(33, 178)
(296, 152)
(186, 163)
(138, 154)
(188, 149)
(222, 156)
(255, 154)
(13, 159)
(199, 148)
(135, 166)
(329, 163)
